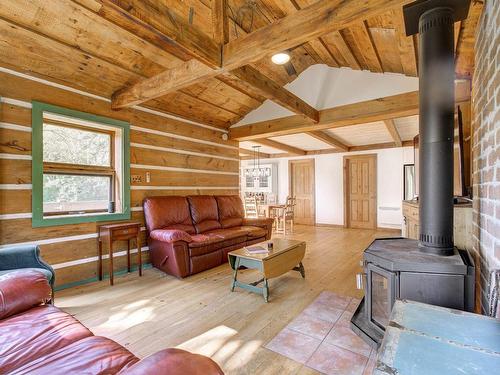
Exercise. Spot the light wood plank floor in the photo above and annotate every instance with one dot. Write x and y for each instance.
(201, 315)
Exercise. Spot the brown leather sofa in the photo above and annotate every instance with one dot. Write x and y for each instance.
(187, 235)
(39, 338)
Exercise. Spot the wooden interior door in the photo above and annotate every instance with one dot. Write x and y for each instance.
(360, 190)
(302, 188)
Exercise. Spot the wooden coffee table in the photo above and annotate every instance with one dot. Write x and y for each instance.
(285, 256)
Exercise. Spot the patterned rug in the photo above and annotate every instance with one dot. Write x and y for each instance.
(321, 338)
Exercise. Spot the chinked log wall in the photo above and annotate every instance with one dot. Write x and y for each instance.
(183, 158)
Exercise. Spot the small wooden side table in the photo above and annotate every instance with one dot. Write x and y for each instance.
(118, 232)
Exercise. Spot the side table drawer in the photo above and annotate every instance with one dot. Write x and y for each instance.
(125, 233)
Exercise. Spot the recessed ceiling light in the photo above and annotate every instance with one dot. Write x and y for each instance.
(280, 58)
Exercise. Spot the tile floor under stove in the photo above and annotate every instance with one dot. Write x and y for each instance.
(321, 338)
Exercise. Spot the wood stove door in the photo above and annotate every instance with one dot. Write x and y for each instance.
(380, 296)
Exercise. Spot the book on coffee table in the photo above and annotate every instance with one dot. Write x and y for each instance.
(256, 250)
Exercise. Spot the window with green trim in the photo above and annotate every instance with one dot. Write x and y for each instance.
(81, 167)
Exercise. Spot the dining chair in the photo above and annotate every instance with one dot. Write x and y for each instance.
(251, 209)
(285, 215)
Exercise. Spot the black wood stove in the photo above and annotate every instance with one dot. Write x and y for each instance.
(430, 270)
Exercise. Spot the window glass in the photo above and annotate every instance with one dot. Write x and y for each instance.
(75, 193)
(63, 144)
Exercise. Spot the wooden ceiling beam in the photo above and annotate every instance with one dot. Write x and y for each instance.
(178, 38)
(381, 109)
(313, 46)
(311, 22)
(406, 46)
(378, 146)
(220, 21)
(369, 147)
(245, 153)
(161, 84)
(391, 128)
(271, 90)
(242, 86)
(328, 139)
(351, 114)
(373, 146)
(280, 146)
(464, 58)
(308, 23)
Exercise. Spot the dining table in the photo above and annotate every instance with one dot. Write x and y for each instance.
(266, 208)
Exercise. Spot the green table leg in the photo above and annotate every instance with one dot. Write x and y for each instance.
(265, 290)
(237, 262)
(235, 273)
(300, 268)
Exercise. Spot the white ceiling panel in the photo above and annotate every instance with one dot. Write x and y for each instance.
(247, 145)
(407, 127)
(363, 134)
(302, 141)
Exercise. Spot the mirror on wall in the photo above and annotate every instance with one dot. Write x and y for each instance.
(409, 182)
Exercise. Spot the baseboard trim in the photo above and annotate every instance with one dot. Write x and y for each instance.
(329, 225)
(392, 230)
(105, 276)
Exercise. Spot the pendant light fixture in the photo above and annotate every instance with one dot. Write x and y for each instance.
(257, 172)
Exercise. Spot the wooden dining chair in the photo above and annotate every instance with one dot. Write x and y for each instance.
(285, 215)
(251, 209)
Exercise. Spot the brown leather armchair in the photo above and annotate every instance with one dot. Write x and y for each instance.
(38, 338)
(191, 234)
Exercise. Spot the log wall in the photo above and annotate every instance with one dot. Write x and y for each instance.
(183, 158)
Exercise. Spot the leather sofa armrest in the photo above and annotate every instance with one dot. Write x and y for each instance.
(174, 362)
(260, 222)
(170, 235)
(21, 290)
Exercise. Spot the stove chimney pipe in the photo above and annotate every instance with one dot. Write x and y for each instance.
(433, 20)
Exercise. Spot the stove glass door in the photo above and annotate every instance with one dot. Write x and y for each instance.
(381, 290)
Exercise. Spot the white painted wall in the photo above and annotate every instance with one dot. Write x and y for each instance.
(324, 87)
(329, 185)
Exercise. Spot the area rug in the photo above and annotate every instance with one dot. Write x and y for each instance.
(321, 338)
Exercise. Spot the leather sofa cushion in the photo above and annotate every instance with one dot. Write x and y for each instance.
(204, 244)
(35, 333)
(204, 212)
(22, 289)
(170, 235)
(231, 211)
(168, 213)
(199, 240)
(91, 355)
(229, 234)
(214, 240)
(254, 232)
(174, 362)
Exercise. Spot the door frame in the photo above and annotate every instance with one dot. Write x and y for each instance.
(346, 158)
(313, 162)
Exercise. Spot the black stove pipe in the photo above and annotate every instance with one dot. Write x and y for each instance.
(436, 129)
(433, 20)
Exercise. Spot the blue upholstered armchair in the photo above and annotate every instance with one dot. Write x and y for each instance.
(22, 257)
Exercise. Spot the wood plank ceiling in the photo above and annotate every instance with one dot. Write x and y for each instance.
(104, 46)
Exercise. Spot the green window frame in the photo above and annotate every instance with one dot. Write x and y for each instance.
(37, 120)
